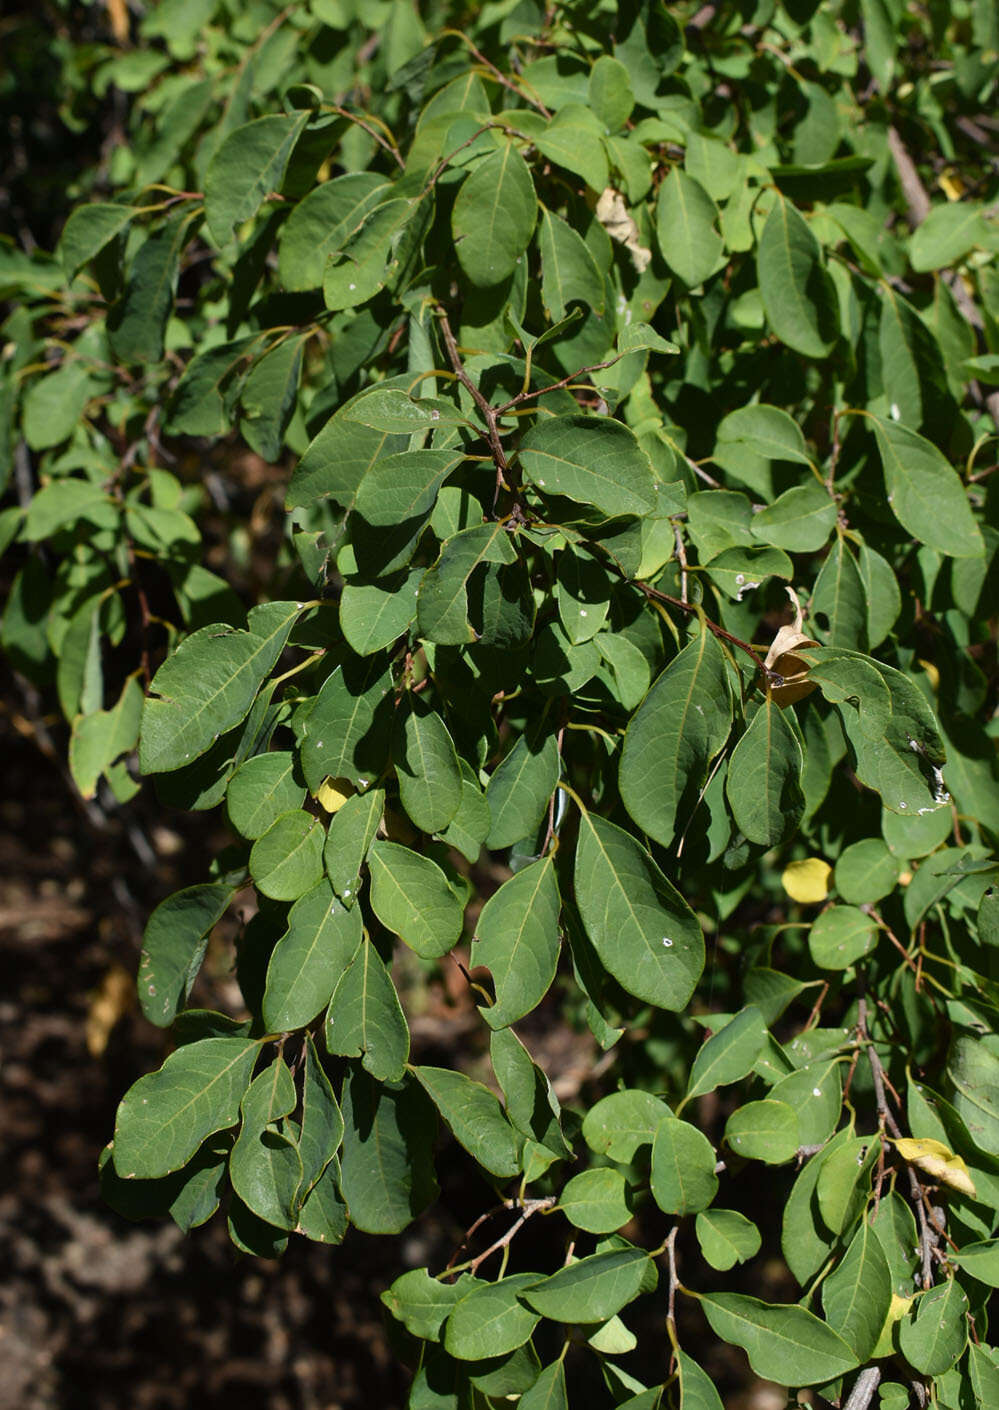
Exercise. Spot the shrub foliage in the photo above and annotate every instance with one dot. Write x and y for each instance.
(630, 628)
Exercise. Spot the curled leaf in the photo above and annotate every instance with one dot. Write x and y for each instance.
(936, 1160)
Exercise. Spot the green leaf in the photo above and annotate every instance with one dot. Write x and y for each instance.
(865, 872)
(350, 834)
(137, 321)
(489, 1320)
(345, 734)
(763, 783)
(840, 936)
(983, 1368)
(493, 217)
(686, 227)
(726, 1237)
(728, 1055)
(644, 932)
(410, 895)
(839, 602)
(173, 947)
(935, 1334)
(309, 958)
(517, 939)
(675, 733)
(269, 395)
(53, 405)
(386, 1168)
(800, 520)
(548, 1391)
(805, 1241)
(912, 368)
(443, 605)
(469, 827)
(856, 1296)
(87, 231)
(610, 94)
(592, 460)
(814, 1093)
(596, 1201)
(261, 790)
(683, 1168)
(323, 1216)
(784, 1344)
(322, 1123)
(621, 1123)
(531, 1103)
(288, 860)
(568, 270)
(797, 293)
(338, 458)
(97, 740)
(250, 163)
(639, 337)
(365, 1018)
(401, 487)
(766, 1130)
(422, 1303)
(426, 766)
(520, 789)
(373, 615)
(925, 494)
(981, 1260)
(769, 432)
(265, 1166)
(164, 1117)
(200, 404)
(574, 140)
(380, 252)
(697, 1390)
(320, 225)
(592, 1289)
(208, 685)
(946, 234)
(475, 1117)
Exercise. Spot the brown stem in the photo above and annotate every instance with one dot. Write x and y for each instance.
(656, 596)
(521, 397)
(528, 1208)
(372, 132)
(488, 412)
(501, 77)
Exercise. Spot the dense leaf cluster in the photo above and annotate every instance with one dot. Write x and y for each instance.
(631, 628)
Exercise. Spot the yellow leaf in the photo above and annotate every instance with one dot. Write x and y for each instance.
(898, 1308)
(110, 1001)
(807, 881)
(333, 793)
(935, 1159)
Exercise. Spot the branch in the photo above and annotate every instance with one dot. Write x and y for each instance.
(656, 596)
(528, 1208)
(383, 142)
(863, 1389)
(488, 412)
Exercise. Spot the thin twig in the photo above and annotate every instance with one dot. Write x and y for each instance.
(656, 596)
(528, 1208)
(383, 142)
(674, 1281)
(501, 78)
(488, 412)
